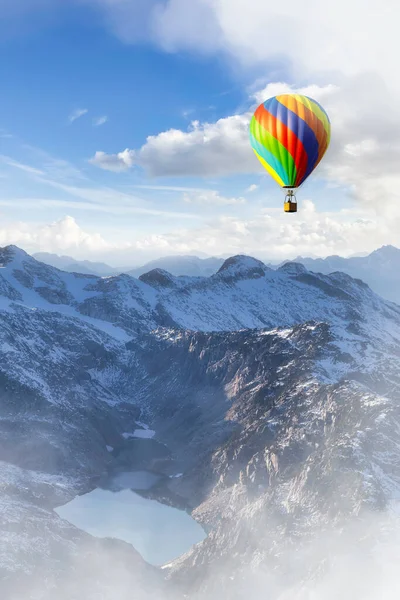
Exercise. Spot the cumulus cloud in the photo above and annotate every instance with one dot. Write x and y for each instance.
(318, 92)
(114, 162)
(77, 114)
(210, 197)
(269, 234)
(252, 188)
(62, 235)
(340, 37)
(208, 149)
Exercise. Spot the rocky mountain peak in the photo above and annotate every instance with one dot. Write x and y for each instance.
(158, 278)
(12, 253)
(242, 267)
(292, 268)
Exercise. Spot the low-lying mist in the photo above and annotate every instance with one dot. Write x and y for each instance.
(359, 559)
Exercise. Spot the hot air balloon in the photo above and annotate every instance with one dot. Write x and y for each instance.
(290, 134)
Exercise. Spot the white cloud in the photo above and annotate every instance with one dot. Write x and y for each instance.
(210, 197)
(205, 149)
(319, 93)
(208, 149)
(341, 38)
(22, 167)
(269, 234)
(86, 195)
(114, 162)
(77, 114)
(252, 188)
(363, 147)
(63, 235)
(52, 166)
(97, 122)
(272, 234)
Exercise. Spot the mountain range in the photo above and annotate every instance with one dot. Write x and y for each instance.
(380, 269)
(275, 391)
(71, 265)
(176, 265)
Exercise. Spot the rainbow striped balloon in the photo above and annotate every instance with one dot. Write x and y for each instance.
(290, 134)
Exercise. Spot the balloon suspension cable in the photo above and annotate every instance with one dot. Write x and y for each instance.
(290, 195)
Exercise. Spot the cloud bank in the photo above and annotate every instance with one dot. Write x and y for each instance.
(268, 235)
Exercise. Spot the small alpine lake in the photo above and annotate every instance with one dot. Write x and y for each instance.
(160, 533)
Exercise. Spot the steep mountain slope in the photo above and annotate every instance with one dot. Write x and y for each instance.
(121, 300)
(246, 293)
(60, 382)
(276, 393)
(243, 294)
(282, 457)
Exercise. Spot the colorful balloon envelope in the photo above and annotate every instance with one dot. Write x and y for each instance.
(290, 134)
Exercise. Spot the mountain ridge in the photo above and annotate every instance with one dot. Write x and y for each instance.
(378, 269)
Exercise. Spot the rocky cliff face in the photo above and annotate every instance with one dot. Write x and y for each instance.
(278, 452)
(276, 392)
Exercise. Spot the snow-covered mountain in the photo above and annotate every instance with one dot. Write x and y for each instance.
(379, 269)
(275, 391)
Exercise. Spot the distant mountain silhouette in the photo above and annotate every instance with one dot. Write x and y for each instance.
(380, 269)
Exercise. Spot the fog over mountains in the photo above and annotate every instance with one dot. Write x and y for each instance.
(274, 393)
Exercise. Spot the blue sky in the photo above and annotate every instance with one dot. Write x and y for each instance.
(123, 132)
